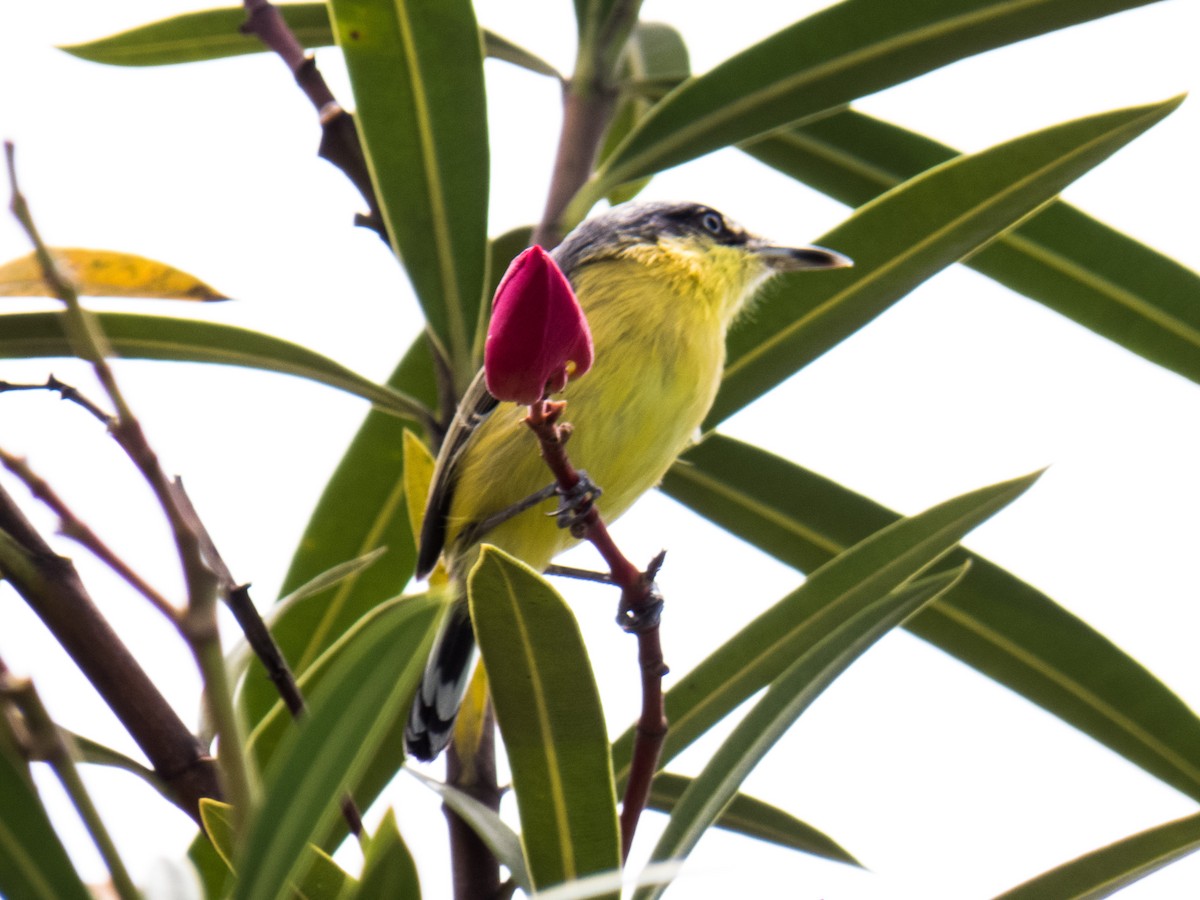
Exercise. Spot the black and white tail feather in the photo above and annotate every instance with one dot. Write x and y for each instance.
(435, 707)
(431, 719)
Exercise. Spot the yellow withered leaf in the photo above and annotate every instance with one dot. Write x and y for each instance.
(418, 473)
(105, 273)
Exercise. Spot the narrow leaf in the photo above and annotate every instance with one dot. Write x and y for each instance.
(753, 818)
(217, 819)
(504, 843)
(786, 699)
(832, 595)
(549, 713)
(196, 36)
(904, 236)
(321, 878)
(361, 511)
(417, 73)
(215, 876)
(496, 46)
(239, 656)
(848, 50)
(359, 699)
(105, 273)
(1060, 256)
(388, 867)
(274, 728)
(97, 754)
(33, 862)
(30, 335)
(992, 620)
(216, 34)
(1103, 872)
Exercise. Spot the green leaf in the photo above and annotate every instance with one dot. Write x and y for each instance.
(502, 841)
(33, 862)
(97, 754)
(805, 679)
(272, 729)
(1060, 256)
(604, 27)
(217, 818)
(214, 874)
(497, 47)
(992, 621)
(753, 818)
(835, 593)
(322, 878)
(389, 871)
(549, 713)
(30, 335)
(365, 691)
(655, 54)
(848, 50)
(1103, 872)
(361, 510)
(216, 34)
(192, 37)
(417, 73)
(904, 236)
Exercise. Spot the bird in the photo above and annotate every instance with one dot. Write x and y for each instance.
(660, 284)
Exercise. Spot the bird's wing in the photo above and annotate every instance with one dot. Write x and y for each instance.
(476, 405)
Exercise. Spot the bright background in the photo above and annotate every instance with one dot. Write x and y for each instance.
(943, 784)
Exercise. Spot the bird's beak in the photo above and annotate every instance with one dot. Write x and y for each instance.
(800, 259)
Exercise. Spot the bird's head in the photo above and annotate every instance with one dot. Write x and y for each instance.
(694, 247)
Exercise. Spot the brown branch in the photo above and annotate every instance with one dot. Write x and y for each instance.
(641, 604)
(77, 530)
(586, 114)
(54, 591)
(65, 392)
(340, 144)
(198, 624)
(588, 104)
(474, 869)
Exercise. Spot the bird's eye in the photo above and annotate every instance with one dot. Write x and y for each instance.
(713, 223)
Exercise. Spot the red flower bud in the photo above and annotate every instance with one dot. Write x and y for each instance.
(538, 338)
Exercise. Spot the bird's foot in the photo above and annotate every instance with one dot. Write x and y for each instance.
(576, 502)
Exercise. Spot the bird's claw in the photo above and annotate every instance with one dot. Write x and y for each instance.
(576, 502)
(646, 615)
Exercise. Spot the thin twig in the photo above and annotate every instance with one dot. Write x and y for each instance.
(339, 138)
(75, 528)
(589, 100)
(53, 590)
(65, 391)
(199, 622)
(579, 574)
(638, 613)
(258, 636)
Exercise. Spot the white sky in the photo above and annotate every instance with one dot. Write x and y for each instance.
(944, 785)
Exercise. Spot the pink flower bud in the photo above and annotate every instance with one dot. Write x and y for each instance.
(538, 338)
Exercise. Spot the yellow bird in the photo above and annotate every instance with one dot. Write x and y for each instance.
(660, 284)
